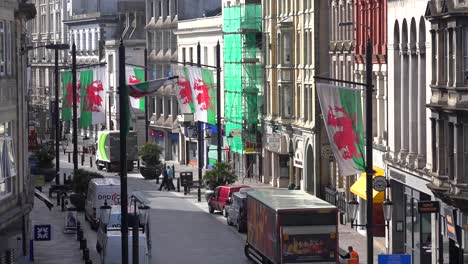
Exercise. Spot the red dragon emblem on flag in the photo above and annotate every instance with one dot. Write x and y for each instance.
(132, 79)
(69, 96)
(185, 93)
(93, 101)
(345, 138)
(203, 98)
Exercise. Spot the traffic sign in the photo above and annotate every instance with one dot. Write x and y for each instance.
(394, 259)
(42, 232)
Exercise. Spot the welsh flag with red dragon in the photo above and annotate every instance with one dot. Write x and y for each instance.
(67, 96)
(203, 94)
(184, 91)
(135, 75)
(92, 83)
(342, 114)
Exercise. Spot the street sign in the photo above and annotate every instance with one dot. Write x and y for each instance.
(379, 183)
(394, 259)
(42, 232)
(39, 181)
(428, 207)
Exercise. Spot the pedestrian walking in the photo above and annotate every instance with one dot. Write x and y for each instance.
(164, 183)
(352, 256)
(170, 176)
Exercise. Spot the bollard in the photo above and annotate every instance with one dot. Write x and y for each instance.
(88, 261)
(185, 189)
(64, 178)
(91, 161)
(58, 198)
(69, 157)
(178, 184)
(79, 235)
(63, 202)
(85, 254)
(78, 225)
(83, 243)
(82, 159)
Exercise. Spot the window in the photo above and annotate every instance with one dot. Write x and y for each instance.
(8, 162)
(465, 55)
(205, 55)
(298, 48)
(167, 8)
(183, 55)
(2, 48)
(286, 48)
(159, 8)
(191, 54)
(58, 22)
(90, 40)
(285, 101)
(298, 101)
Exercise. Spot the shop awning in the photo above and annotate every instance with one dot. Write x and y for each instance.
(359, 187)
(41, 196)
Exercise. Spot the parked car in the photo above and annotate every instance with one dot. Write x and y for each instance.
(222, 193)
(237, 211)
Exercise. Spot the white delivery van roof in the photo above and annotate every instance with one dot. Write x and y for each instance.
(106, 181)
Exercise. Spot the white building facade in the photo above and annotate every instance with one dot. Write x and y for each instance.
(408, 136)
(208, 32)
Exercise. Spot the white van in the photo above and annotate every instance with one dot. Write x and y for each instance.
(111, 251)
(100, 190)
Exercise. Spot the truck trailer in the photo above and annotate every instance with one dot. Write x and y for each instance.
(108, 150)
(289, 226)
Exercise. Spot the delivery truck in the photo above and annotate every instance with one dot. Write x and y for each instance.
(290, 226)
(108, 150)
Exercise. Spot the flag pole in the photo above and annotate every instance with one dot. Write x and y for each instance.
(75, 114)
(369, 165)
(123, 106)
(199, 136)
(218, 98)
(146, 97)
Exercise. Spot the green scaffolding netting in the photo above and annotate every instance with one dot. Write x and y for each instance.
(243, 72)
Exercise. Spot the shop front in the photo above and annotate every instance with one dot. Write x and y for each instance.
(276, 161)
(411, 231)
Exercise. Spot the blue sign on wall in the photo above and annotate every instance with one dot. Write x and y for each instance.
(394, 259)
(42, 232)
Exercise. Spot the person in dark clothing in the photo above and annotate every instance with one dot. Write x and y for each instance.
(170, 176)
(164, 183)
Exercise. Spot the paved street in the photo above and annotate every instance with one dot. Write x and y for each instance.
(182, 230)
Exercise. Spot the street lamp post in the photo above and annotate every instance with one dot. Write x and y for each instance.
(199, 136)
(56, 48)
(75, 112)
(139, 217)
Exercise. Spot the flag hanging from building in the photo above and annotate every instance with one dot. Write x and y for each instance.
(184, 91)
(342, 114)
(67, 96)
(92, 92)
(204, 94)
(135, 75)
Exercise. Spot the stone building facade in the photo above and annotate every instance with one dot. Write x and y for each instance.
(448, 125)
(406, 160)
(293, 137)
(45, 29)
(16, 185)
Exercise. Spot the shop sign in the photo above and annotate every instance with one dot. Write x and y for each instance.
(428, 207)
(42, 232)
(451, 225)
(394, 259)
(298, 163)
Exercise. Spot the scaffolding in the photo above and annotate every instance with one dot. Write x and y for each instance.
(243, 76)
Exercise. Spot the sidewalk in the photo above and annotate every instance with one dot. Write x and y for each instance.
(63, 248)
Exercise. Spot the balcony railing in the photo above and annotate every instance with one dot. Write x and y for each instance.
(336, 198)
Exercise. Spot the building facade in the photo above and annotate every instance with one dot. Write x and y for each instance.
(341, 51)
(16, 185)
(207, 32)
(89, 25)
(162, 18)
(45, 29)
(408, 146)
(448, 126)
(292, 133)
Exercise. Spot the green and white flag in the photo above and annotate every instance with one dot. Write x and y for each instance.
(342, 114)
(67, 96)
(135, 75)
(204, 94)
(92, 83)
(184, 91)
